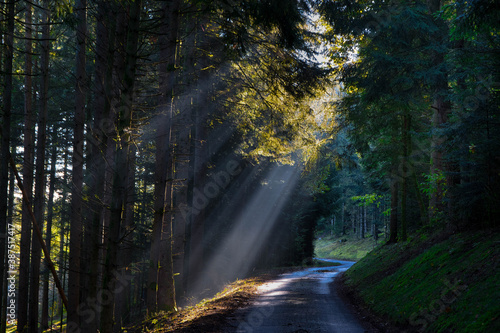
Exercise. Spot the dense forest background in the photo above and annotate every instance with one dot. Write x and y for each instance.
(152, 151)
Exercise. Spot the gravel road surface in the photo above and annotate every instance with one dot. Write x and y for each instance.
(300, 302)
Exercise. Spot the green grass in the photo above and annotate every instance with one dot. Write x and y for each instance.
(440, 285)
(352, 249)
(319, 263)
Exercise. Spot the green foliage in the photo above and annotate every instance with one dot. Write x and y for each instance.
(285, 18)
(386, 86)
(433, 182)
(271, 92)
(392, 59)
(368, 199)
(471, 17)
(473, 129)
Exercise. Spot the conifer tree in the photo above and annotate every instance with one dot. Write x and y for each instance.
(6, 133)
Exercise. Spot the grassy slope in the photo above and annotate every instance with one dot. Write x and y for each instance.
(444, 284)
(351, 249)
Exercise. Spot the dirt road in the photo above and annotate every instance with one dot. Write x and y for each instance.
(303, 301)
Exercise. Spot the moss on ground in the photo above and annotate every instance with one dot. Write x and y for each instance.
(441, 284)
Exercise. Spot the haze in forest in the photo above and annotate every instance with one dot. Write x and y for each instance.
(163, 149)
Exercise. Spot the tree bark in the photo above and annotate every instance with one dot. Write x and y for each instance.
(48, 234)
(122, 305)
(119, 191)
(343, 218)
(10, 220)
(441, 108)
(437, 165)
(405, 171)
(98, 142)
(76, 229)
(393, 224)
(62, 233)
(199, 152)
(365, 220)
(161, 289)
(5, 138)
(39, 194)
(353, 222)
(28, 143)
(361, 223)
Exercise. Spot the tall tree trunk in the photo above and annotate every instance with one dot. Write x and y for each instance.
(119, 191)
(441, 108)
(10, 221)
(75, 241)
(62, 232)
(28, 143)
(5, 136)
(98, 141)
(39, 194)
(181, 162)
(122, 300)
(437, 165)
(365, 221)
(333, 221)
(48, 234)
(343, 218)
(393, 224)
(420, 200)
(193, 236)
(405, 171)
(3, 253)
(161, 289)
(361, 223)
(199, 157)
(353, 223)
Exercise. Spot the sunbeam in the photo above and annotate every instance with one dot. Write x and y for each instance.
(238, 253)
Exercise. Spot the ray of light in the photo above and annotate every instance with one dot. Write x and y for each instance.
(236, 255)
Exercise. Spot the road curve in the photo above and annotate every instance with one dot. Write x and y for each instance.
(300, 302)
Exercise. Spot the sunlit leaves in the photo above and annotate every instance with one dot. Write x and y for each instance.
(271, 91)
(368, 199)
(61, 8)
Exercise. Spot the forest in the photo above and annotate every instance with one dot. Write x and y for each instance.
(152, 151)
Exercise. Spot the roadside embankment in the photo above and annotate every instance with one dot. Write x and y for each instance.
(445, 283)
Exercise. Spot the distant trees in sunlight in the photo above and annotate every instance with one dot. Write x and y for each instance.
(420, 80)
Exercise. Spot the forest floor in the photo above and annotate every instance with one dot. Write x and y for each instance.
(210, 315)
(216, 314)
(444, 282)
